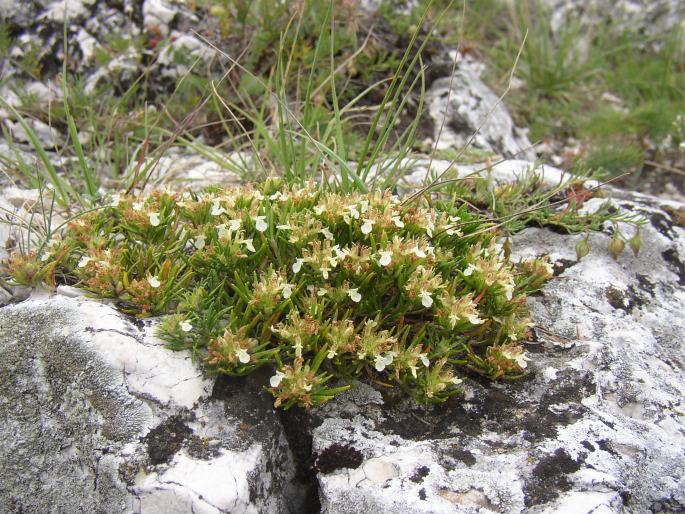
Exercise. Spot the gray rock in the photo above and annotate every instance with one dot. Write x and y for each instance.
(655, 18)
(598, 427)
(99, 417)
(462, 105)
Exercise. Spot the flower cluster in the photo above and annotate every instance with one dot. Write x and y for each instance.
(316, 285)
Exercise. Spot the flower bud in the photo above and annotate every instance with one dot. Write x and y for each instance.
(507, 248)
(582, 248)
(636, 243)
(616, 246)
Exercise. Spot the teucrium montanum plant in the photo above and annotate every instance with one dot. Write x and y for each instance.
(321, 287)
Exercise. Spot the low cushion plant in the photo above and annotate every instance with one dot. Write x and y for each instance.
(320, 286)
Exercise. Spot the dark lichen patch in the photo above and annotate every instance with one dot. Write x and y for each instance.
(617, 299)
(677, 215)
(415, 422)
(245, 400)
(460, 454)
(561, 265)
(202, 448)
(338, 456)
(663, 224)
(419, 474)
(675, 264)
(605, 445)
(422, 493)
(128, 471)
(645, 285)
(549, 478)
(166, 439)
(569, 389)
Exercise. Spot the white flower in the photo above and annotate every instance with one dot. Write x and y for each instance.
(354, 295)
(386, 258)
(217, 210)
(474, 319)
(418, 252)
(154, 282)
(321, 292)
(381, 362)
(327, 234)
(353, 211)
(276, 380)
(199, 242)
(430, 226)
(398, 221)
(509, 290)
(522, 359)
(519, 356)
(287, 290)
(137, 206)
(297, 265)
(426, 299)
(221, 231)
(45, 257)
(339, 253)
(318, 210)
(469, 270)
(186, 326)
(278, 196)
(258, 196)
(115, 200)
(154, 219)
(284, 227)
(83, 262)
(249, 245)
(260, 223)
(365, 206)
(243, 356)
(331, 353)
(456, 381)
(324, 272)
(424, 359)
(367, 226)
(234, 225)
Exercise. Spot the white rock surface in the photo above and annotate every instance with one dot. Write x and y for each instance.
(183, 171)
(462, 105)
(657, 18)
(98, 416)
(159, 13)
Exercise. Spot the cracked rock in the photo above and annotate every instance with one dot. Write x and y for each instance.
(98, 416)
(597, 427)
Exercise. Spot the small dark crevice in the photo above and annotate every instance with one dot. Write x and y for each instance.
(675, 264)
(297, 426)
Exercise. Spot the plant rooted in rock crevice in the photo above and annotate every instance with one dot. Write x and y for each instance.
(322, 286)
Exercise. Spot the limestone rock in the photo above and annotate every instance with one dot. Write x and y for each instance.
(98, 416)
(462, 105)
(656, 18)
